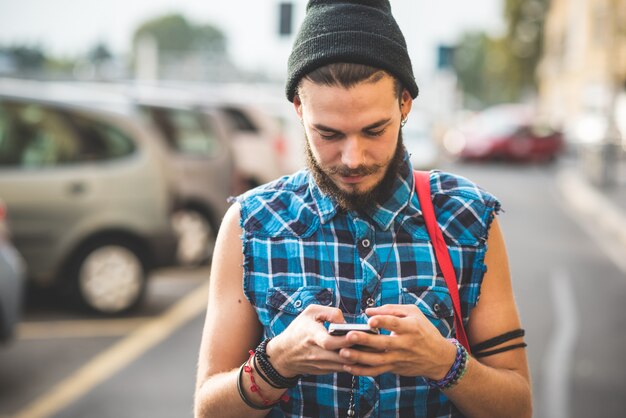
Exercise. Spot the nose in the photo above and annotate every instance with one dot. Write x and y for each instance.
(353, 152)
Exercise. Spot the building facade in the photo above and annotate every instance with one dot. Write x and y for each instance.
(583, 71)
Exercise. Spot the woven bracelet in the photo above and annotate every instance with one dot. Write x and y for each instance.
(456, 372)
(273, 377)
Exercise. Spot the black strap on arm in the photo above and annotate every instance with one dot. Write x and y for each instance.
(479, 349)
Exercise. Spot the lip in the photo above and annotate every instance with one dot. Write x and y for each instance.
(352, 179)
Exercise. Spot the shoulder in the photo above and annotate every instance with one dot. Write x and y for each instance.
(464, 209)
(280, 208)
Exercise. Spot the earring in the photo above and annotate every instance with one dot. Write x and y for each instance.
(403, 121)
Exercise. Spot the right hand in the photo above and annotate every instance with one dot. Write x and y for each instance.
(305, 347)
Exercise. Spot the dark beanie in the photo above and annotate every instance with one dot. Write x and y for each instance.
(350, 31)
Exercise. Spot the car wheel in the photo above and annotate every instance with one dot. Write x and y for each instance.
(110, 278)
(196, 237)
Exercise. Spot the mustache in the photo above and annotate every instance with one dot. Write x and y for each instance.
(362, 170)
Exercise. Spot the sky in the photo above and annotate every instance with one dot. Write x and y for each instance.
(71, 27)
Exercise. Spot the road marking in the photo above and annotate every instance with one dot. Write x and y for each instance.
(558, 361)
(114, 359)
(596, 215)
(78, 328)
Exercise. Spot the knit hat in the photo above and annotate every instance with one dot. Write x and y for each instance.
(351, 31)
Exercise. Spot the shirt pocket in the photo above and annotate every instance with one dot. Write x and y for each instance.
(435, 303)
(284, 304)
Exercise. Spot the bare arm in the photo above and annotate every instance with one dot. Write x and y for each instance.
(232, 328)
(497, 385)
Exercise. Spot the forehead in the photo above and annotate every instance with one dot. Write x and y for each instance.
(364, 102)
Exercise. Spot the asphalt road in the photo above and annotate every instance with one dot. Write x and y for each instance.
(569, 292)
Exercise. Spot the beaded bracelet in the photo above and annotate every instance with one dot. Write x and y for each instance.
(456, 372)
(277, 380)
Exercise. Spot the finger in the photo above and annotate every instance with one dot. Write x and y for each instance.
(326, 367)
(398, 325)
(321, 355)
(334, 343)
(326, 314)
(390, 309)
(377, 342)
(363, 357)
(361, 370)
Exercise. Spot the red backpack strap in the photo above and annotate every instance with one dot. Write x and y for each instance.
(422, 185)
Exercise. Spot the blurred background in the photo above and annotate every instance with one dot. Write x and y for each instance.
(125, 126)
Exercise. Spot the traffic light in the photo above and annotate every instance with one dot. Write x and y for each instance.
(285, 19)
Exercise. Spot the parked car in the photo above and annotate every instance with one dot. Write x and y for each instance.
(418, 140)
(12, 276)
(90, 192)
(507, 132)
(196, 140)
(265, 134)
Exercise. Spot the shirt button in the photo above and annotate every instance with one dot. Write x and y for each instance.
(297, 303)
(437, 308)
(365, 243)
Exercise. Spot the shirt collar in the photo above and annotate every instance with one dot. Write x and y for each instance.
(383, 214)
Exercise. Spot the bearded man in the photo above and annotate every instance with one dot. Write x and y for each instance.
(345, 241)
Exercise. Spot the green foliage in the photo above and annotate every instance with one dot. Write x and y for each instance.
(174, 33)
(26, 58)
(498, 70)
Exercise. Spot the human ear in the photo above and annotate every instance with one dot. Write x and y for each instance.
(297, 105)
(406, 102)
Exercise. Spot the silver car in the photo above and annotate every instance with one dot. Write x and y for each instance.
(203, 165)
(11, 281)
(90, 193)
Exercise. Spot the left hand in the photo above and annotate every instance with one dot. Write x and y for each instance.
(414, 348)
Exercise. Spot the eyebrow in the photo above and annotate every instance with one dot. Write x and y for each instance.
(374, 125)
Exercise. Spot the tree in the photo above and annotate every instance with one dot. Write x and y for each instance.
(99, 54)
(497, 70)
(173, 33)
(27, 58)
(524, 42)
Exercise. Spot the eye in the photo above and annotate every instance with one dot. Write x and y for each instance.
(375, 133)
(328, 136)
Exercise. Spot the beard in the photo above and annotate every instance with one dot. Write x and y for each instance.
(355, 200)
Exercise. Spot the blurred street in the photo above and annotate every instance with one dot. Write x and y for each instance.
(568, 288)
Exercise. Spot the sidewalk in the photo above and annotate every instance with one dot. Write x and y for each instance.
(601, 211)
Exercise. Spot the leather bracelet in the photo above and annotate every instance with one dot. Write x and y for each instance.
(260, 373)
(277, 380)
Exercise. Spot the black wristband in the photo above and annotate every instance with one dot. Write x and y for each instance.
(500, 339)
(260, 373)
(277, 380)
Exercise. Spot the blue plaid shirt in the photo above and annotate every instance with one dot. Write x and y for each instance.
(296, 239)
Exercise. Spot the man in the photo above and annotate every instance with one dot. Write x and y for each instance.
(345, 241)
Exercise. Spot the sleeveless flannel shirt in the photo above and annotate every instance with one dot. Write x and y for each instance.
(291, 228)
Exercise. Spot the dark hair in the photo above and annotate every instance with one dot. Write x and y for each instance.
(347, 75)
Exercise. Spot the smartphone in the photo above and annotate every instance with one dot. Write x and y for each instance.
(343, 329)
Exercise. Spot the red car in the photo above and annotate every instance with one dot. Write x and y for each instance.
(506, 132)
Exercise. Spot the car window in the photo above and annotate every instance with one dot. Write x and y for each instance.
(100, 141)
(184, 130)
(33, 135)
(240, 120)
